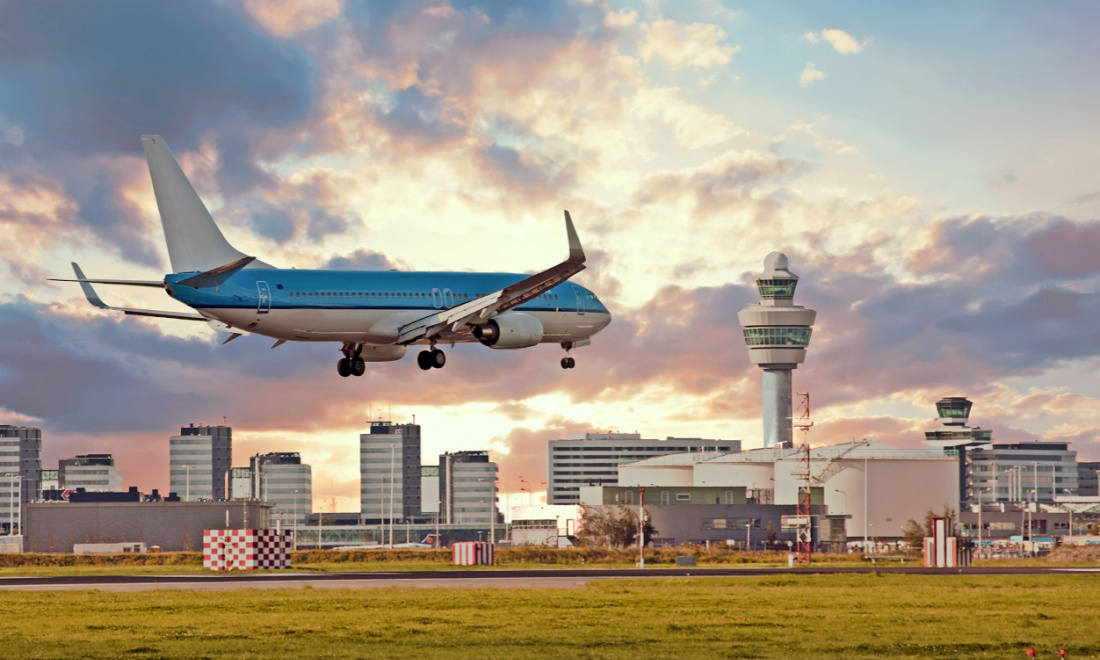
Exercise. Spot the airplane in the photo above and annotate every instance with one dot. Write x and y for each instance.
(374, 315)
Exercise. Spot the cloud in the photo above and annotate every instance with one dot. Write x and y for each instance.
(810, 75)
(284, 18)
(841, 41)
(528, 173)
(682, 45)
(620, 18)
(135, 67)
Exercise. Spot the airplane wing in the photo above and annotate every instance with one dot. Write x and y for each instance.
(96, 301)
(480, 309)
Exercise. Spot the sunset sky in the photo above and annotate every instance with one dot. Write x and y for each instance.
(929, 168)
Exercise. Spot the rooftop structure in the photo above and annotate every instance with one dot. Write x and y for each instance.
(777, 333)
(92, 472)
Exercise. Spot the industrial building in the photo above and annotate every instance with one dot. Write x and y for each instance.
(171, 526)
(92, 472)
(281, 479)
(389, 471)
(777, 333)
(867, 489)
(587, 459)
(199, 459)
(467, 488)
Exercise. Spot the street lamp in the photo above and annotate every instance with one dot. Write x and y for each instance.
(187, 492)
(845, 498)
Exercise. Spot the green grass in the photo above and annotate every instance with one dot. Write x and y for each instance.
(835, 616)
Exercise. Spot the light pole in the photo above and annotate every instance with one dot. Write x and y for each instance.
(748, 536)
(187, 492)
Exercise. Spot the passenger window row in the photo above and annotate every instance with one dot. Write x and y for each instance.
(391, 294)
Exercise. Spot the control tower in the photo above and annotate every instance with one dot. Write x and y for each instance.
(777, 333)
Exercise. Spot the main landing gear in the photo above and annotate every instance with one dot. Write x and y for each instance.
(351, 364)
(433, 359)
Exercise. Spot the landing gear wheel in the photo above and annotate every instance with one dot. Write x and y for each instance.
(343, 367)
(424, 360)
(438, 358)
(358, 367)
(565, 363)
(572, 363)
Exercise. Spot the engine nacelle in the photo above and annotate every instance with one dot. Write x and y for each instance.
(510, 330)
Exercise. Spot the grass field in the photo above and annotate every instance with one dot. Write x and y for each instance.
(836, 616)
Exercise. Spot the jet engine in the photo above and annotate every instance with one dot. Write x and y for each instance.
(510, 330)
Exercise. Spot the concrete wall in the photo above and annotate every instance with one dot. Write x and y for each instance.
(174, 526)
(655, 475)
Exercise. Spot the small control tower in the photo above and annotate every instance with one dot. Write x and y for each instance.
(777, 333)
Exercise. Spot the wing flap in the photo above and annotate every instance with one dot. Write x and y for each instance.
(510, 296)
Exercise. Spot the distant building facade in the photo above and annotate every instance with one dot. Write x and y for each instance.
(283, 480)
(389, 472)
(429, 490)
(467, 488)
(1087, 483)
(592, 459)
(20, 470)
(1023, 472)
(92, 472)
(199, 461)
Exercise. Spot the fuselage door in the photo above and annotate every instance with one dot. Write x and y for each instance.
(580, 298)
(263, 305)
(437, 298)
(448, 298)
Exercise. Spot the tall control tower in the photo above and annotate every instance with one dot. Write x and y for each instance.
(777, 333)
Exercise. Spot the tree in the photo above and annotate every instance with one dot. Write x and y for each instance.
(769, 531)
(612, 527)
(914, 533)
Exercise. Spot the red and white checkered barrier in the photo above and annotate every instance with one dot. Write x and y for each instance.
(245, 549)
(473, 553)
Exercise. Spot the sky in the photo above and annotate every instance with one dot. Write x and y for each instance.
(929, 169)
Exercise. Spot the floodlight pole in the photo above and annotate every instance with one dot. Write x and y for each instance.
(641, 527)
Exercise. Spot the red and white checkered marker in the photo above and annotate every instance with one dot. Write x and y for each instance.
(245, 549)
(472, 553)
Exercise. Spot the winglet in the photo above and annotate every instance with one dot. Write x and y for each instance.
(576, 252)
(89, 292)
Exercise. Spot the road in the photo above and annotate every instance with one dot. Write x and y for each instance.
(552, 578)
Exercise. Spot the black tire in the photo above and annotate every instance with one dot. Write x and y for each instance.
(343, 367)
(358, 367)
(565, 363)
(572, 363)
(424, 360)
(439, 358)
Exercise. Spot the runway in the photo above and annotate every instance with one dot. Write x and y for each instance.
(499, 578)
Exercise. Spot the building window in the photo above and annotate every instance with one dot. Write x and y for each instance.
(683, 497)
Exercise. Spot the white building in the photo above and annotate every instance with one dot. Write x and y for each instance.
(588, 459)
(880, 487)
(20, 468)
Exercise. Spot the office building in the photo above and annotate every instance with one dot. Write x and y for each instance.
(1087, 483)
(389, 472)
(591, 459)
(283, 480)
(1022, 472)
(468, 488)
(199, 462)
(777, 333)
(20, 469)
(92, 472)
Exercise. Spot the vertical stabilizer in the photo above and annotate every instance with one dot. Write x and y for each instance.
(194, 242)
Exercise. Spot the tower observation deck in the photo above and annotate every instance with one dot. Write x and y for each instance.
(777, 333)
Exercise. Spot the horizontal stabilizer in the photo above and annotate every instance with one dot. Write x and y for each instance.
(215, 277)
(155, 284)
(96, 301)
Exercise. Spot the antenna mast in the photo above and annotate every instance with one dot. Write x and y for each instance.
(804, 513)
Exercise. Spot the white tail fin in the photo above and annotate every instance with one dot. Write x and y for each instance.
(194, 241)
